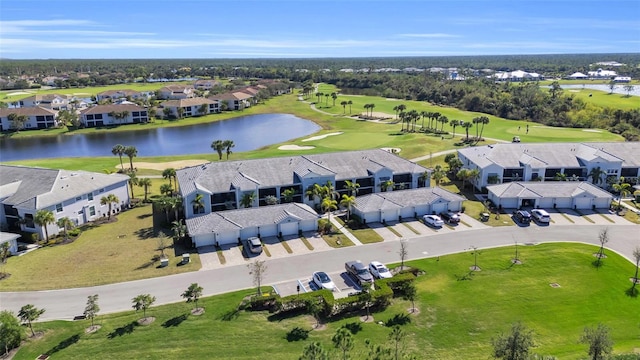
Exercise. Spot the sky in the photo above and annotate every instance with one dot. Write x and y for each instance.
(99, 29)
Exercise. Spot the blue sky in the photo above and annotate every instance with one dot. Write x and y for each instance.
(37, 29)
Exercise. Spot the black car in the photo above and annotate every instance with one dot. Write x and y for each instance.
(523, 216)
(450, 217)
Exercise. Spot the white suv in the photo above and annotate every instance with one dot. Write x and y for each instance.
(541, 216)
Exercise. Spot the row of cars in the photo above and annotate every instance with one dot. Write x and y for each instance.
(359, 272)
(439, 220)
(538, 215)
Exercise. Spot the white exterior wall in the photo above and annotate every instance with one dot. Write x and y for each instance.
(309, 225)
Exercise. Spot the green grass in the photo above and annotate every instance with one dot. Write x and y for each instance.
(306, 243)
(457, 319)
(411, 228)
(394, 231)
(606, 99)
(333, 238)
(367, 236)
(285, 246)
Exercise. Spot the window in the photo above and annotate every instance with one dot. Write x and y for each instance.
(28, 221)
(136, 113)
(612, 171)
(59, 207)
(101, 190)
(92, 211)
(39, 118)
(89, 117)
(98, 116)
(90, 196)
(78, 198)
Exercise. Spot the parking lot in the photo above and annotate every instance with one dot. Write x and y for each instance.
(407, 226)
(345, 285)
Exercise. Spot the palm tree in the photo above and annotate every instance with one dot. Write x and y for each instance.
(119, 150)
(596, 175)
(218, 146)
(334, 96)
(65, 224)
(167, 112)
(131, 152)
(326, 99)
(202, 109)
(403, 117)
(423, 114)
(288, 195)
(623, 189)
(228, 145)
(319, 95)
(349, 103)
(466, 125)
(443, 120)
(434, 117)
(414, 115)
(344, 107)
(454, 123)
(145, 183)
(43, 218)
(17, 121)
(395, 108)
(371, 106)
(247, 199)
(179, 230)
(169, 173)
(109, 200)
(366, 107)
(385, 185)
(484, 121)
(560, 177)
(198, 204)
(352, 187)
(348, 202)
(133, 180)
(328, 205)
(166, 189)
(438, 174)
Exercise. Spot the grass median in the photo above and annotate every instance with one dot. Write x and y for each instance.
(457, 319)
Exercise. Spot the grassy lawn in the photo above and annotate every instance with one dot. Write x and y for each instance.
(114, 252)
(457, 318)
(606, 99)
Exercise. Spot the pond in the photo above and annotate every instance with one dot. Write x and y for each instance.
(247, 132)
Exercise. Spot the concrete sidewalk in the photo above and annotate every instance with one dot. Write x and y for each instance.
(345, 231)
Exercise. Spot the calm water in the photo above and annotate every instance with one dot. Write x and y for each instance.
(247, 132)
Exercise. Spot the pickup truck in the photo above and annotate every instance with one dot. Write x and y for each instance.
(359, 272)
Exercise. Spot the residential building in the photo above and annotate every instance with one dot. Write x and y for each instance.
(563, 195)
(517, 75)
(622, 79)
(36, 118)
(115, 95)
(190, 107)
(72, 194)
(12, 240)
(205, 84)
(577, 76)
(233, 100)
(176, 92)
(602, 74)
(223, 185)
(501, 163)
(48, 101)
(106, 115)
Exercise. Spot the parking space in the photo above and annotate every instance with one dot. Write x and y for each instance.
(402, 229)
(382, 230)
(344, 285)
(272, 244)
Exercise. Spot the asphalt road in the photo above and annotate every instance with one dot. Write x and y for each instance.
(67, 303)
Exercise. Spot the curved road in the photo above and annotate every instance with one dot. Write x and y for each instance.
(65, 304)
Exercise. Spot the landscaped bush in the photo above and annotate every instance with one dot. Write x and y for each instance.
(298, 303)
(397, 284)
(297, 333)
(259, 303)
(353, 327)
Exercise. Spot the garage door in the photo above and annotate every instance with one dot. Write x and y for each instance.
(407, 212)
(564, 203)
(290, 228)
(509, 203)
(422, 210)
(248, 232)
(372, 217)
(545, 203)
(269, 230)
(204, 240)
(583, 203)
(227, 238)
(602, 203)
(309, 225)
(389, 215)
(439, 207)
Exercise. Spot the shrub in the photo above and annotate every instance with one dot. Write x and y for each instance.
(297, 334)
(259, 303)
(353, 327)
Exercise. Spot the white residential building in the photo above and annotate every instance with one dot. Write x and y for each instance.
(37, 118)
(176, 92)
(104, 115)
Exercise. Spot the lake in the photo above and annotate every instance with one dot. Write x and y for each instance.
(247, 132)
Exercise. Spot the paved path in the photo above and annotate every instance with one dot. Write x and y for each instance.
(65, 304)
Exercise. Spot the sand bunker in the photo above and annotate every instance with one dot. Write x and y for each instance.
(592, 130)
(295, 147)
(322, 136)
(165, 165)
(18, 93)
(392, 150)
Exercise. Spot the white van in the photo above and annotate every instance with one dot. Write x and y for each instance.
(541, 216)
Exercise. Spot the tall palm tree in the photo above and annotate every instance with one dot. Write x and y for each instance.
(247, 199)
(109, 200)
(466, 125)
(326, 99)
(414, 115)
(166, 189)
(423, 178)
(623, 189)
(334, 96)
(133, 180)
(344, 107)
(371, 106)
(319, 95)
(352, 187)
(131, 152)
(145, 183)
(179, 230)
(395, 108)
(454, 123)
(403, 117)
(180, 112)
(288, 195)
(348, 202)
(434, 116)
(65, 224)
(386, 185)
(438, 174)
(43, 218)
(198, 204)
(443, 120)
(366, 107)
(424, 114)
(596, 175)
(170, 174)
(328, 205)
(349, 103)
(218, 146)
(484, 121)
(228, 145)
(118, 150)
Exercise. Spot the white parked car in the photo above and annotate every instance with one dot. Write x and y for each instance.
(433, 220)
(323, 281)
(379, 271)
(541, 216)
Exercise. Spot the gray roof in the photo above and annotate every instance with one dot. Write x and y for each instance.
(224, 175)
(552, 155)
(547, 189)
(251, 217)
(404, 198)
(38, 188)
